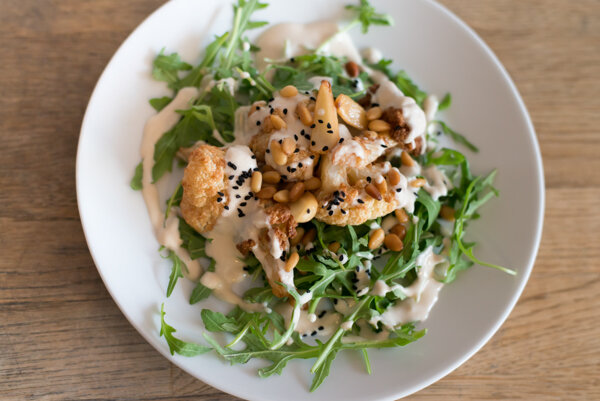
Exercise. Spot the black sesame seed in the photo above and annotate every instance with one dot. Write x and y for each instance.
(398, 190)
(320, 121)
(268, 151)
(247, 197)
(257, 107)
(226, 207)
(343, 211)
(231, 177)
(235, 187)
(219, 199)
(233, 166)
(253, 157)
(335, 301)
(375, 104)
(341, 140)
(398, 127)
(295, 137)
(439, 133)
(284, 111)
(314, 333)
(300, 165)
(328, 125)
(258, 123)
(280, 141)
(243, 204)
(325, 148)
(238, 196)
(297, 150)
(336, 193)
(313, 126)
(368, 179)
(308, 211)
(293, 170)
(312, 157)
(221, 193)
(292, 60)
(331, 212)
(322, 314)
(313, 98)
(313, 143)
(271, 111)
(360, 201)
(383, 146)
(343, 194)
(271, 99)
(321, 328)
(330, 131)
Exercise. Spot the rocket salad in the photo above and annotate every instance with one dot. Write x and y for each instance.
(316, 197)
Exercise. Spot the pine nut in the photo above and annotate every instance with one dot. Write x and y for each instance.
(406, 159)
(271, 177)
(352, 69)
(379, 126)
(266, 168)
(376, 238)
(334, 246)
(374, 113)
(312, 183)
(296, 191)
(351, 112)
(279, 157)
(282, 196)
(399, 230)
(277, 122)
(304, 114)
(305, 208)
(447, 213)
(309, 236)
(373, 192)
(394, 177)
(288, 146)
(291, 262)
(382, 186)
(401, 216)
(288, 91)
(266, 192)
(393, 243)
(418, 182)
(295, 240)
(256, 182)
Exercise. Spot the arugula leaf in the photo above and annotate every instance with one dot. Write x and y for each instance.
(166, 68)
(176, 271)
(176, 345)
(409, 88)
(218, 322)
(136, 181)
(323, 370)
(159, 103)
(456, 137)
(446, 102)
(199, 293)
(192, 241)
(367, 16)
(432, 207)
(446, 157)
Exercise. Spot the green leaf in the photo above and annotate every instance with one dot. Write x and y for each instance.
(456, 137)
(199, 293)
(446, 102)
(136, 181)
(192, 241)
(433, 207)
(159, 103)
(323, 370)
(218, 322)
(176, 271)
(368, 16)
(166, 67)
(409, 88)
(447, 157)
(176, 345)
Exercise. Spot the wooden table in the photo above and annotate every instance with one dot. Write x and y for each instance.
(62, 336)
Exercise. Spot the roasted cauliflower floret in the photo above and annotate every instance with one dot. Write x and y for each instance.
(203, 179)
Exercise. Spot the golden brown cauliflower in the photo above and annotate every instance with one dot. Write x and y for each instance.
(203, 179)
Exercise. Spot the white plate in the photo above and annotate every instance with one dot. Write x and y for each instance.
(442, 54)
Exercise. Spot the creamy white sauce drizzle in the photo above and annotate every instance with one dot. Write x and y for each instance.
(422, 294)
(430, 106)
(166, 232)
(292, 39)
(372, 55)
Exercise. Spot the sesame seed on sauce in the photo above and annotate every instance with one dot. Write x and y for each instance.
(343, 211)
(368, 179)
(258, 123)
(238, 196)
(321, 328)
(280, 141)
(314, 333)
(398, 190)
(360, 200)
(243, 204)
(295, 137)
(271, 111)
(233, 166)
(341, 140)
(226, 207)
(231, 177)
(219, 199)
(235, 187)
(271, 99)
(284, 111)
(383, 146)
(253, 157)
(221, 193)
(313, 98)
(322, 314)
(313, 143)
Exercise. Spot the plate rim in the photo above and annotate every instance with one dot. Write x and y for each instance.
(475, 347)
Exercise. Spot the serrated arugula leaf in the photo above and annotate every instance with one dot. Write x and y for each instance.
(432, 207)
(176, 345)
(218, 322)
(409, 88)
(167, 67)
(456, 137)
(323, 370)
(199, 293)
(176, 271)
(192, 241)
(368, 16)
(136, 180)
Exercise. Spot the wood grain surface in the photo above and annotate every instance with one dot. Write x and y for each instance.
(61, 335)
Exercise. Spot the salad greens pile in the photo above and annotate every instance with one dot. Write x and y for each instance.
(329, 279)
